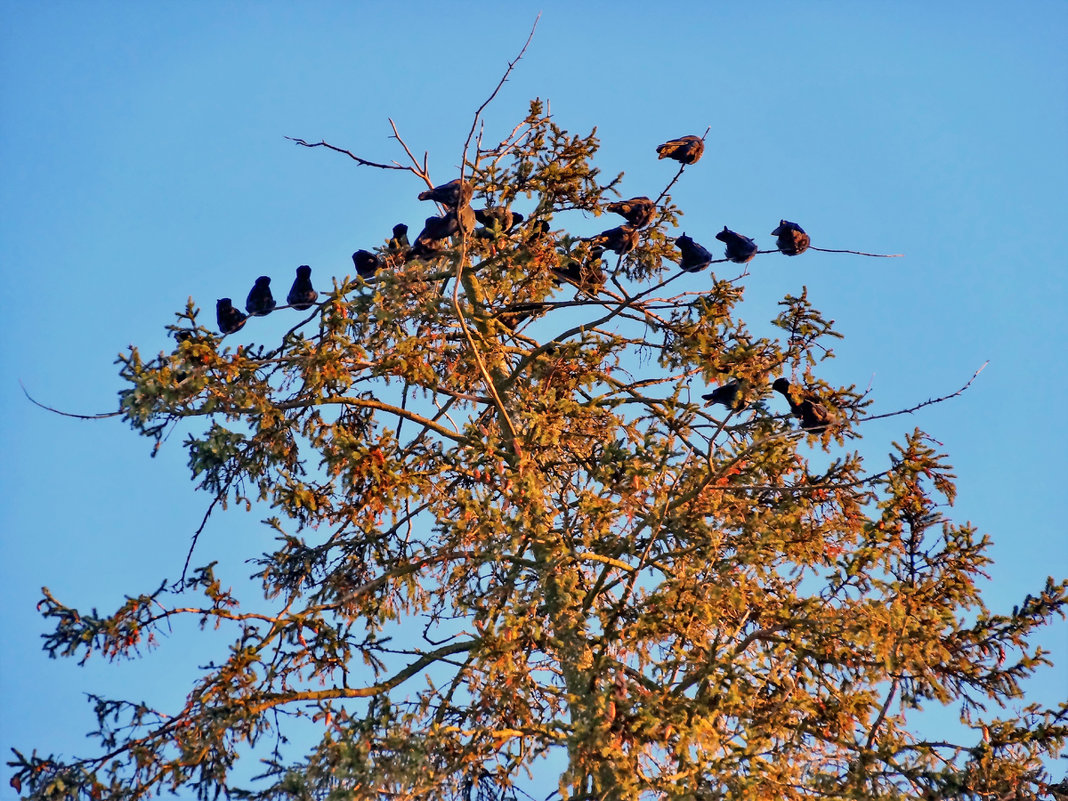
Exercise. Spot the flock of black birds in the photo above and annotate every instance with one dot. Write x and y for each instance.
(639, 212)
(261, 302)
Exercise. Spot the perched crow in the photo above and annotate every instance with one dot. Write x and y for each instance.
(740, 249)
(367, 263)
(302, 295)
(260, 301)
(792, 240)
(519, 313)
(814, 415)
(622, 239)
(498, 218)
(694, 257)
(538, 230)
(638, 211)
(454, 193)
(438, 228)
(588, 276)
(399, 240)
(432, 238)
(686, 149)
(728, 394)
(229, 318)
(425, 248)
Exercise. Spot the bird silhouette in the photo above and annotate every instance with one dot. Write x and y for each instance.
(454, 193)
(498, 218)
(229, 318)
(586, 275)
(685, 149)
(813, 413)
(260, 301)
(399, 240)
(740, 249)
(638, 211)
(366, 263)
(694, 257)
(729, 395)
(622, 239)
(792, 239)
(302, 295)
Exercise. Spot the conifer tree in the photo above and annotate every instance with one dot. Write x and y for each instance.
(505, 526)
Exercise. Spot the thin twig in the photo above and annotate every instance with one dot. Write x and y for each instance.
(500, 83)
(36, 402)
(927, 402)
(354, 157)
(196, 535)
(858, 253)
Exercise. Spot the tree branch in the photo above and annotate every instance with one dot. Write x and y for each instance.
(927, 402)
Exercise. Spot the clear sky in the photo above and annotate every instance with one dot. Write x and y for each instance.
(143, 162)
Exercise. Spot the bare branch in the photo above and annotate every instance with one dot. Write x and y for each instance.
(357, 159)
(927, 402)
(36, 402)
(855, 253)
(500, 83)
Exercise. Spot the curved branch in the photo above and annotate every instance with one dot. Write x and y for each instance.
(269, 700)
(929, 402)
(35, 402)
(353, 156)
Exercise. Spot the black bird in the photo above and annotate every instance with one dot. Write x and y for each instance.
(729, 395)
(399, 240)
(638, 211)
(498, 218)
(538, 230)
(814, 415)
(438, 228)
(302, 295)
(454, 193)
(588, 275)
(229, 318)
(740, 249)
(512, 316)
(694, 257)
(366, 263)
(260, 301)
(685, 149)
(622, 239)
(792, 239)
(432, 238)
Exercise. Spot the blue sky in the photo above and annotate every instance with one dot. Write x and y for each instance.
(143, 162)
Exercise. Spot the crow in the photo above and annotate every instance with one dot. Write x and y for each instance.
(694, 257)
(685, 149)
(814, 415)
(260, 301)
(366, 263)
(302, 295)
(740, 249)
(729, 395)
(498, 218)
(638, 211)
(622, 239)
(454, 193)
(399, 240)
(792, 239)
(229, 318)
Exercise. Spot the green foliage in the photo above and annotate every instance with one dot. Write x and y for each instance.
(494, 542)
